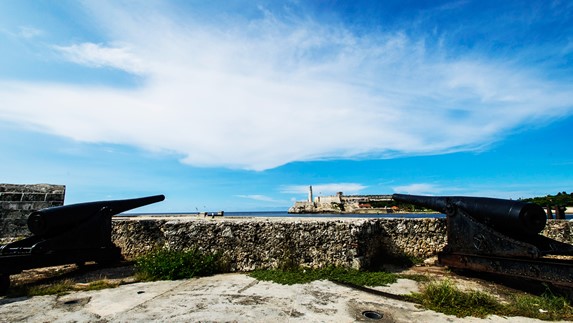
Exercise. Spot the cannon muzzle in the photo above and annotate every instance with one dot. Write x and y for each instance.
(55, 220)
(514, 218)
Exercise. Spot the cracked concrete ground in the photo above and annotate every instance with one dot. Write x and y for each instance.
(227, 298)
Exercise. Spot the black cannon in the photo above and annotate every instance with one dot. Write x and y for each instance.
(499, 237)
(71, 234)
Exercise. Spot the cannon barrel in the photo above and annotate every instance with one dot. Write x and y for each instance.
(507, 216)
(55, 220)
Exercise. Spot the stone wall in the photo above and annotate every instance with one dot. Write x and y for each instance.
(267, 243)
(312, 242)
(18, 201)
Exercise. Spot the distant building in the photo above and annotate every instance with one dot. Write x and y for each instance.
(340, 203)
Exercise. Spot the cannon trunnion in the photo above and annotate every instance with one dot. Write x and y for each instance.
(499, 237)
(71, 234)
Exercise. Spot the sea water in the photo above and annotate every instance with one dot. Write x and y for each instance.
(280, 214)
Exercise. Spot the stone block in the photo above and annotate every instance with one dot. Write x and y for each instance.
(18, 201)
(11, 197)
(33, 197)
(55, 197)
(14, 214)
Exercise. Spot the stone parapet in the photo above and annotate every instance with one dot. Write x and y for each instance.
(18, 201)
(269, 243)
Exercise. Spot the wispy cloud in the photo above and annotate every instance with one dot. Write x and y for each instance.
(23, 32)
(259, 93)
(29, 32)
(97, 55)
(324, 189)
(508, 191)
(419, 188)
(262, 198)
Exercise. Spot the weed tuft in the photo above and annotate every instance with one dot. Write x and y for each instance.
(170, 265)
(61, 287)
(306, 275)
(444, 297)
(545, 307)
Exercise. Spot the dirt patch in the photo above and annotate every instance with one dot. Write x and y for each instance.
(90, 272)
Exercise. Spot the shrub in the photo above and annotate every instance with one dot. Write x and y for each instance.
(170, 265)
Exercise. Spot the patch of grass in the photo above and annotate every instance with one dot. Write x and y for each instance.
(170, 265)
(446, 298)
(306, 275)
(100, 284)
(545, 307)
(57, 288)
(61, 287)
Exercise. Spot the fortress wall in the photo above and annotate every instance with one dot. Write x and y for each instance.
(327, 199)
(18, 201)
(268, 243)
(254, 243)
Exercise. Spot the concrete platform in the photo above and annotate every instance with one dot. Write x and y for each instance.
(227, 298)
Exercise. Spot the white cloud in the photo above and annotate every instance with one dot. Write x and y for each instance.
(324, 189)
(261, 93)
(96, 55)
(419, 189)
(262, 198)
(509, 191)
(29, 32)
(23, 32)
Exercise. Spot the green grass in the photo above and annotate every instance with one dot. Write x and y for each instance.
(57, 288)
(546, 307)
(445, 297)
(61, 287)
(101, 284)
(302, 275)
(170, 265)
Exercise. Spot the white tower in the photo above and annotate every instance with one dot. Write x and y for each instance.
(310, 200)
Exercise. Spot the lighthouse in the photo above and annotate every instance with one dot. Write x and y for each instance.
(310, 200)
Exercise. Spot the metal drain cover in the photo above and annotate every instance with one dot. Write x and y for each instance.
(373, 315)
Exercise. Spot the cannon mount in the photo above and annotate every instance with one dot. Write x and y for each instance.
(499, 237)
(71, 234)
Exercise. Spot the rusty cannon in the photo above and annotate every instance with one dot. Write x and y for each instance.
(499, 237)
(70, 234)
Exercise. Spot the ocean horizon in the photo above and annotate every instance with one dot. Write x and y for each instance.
(285, 214)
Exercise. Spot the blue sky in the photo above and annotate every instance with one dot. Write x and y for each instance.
(241, 105)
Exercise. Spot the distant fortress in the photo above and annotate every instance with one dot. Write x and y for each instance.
(340, 203)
